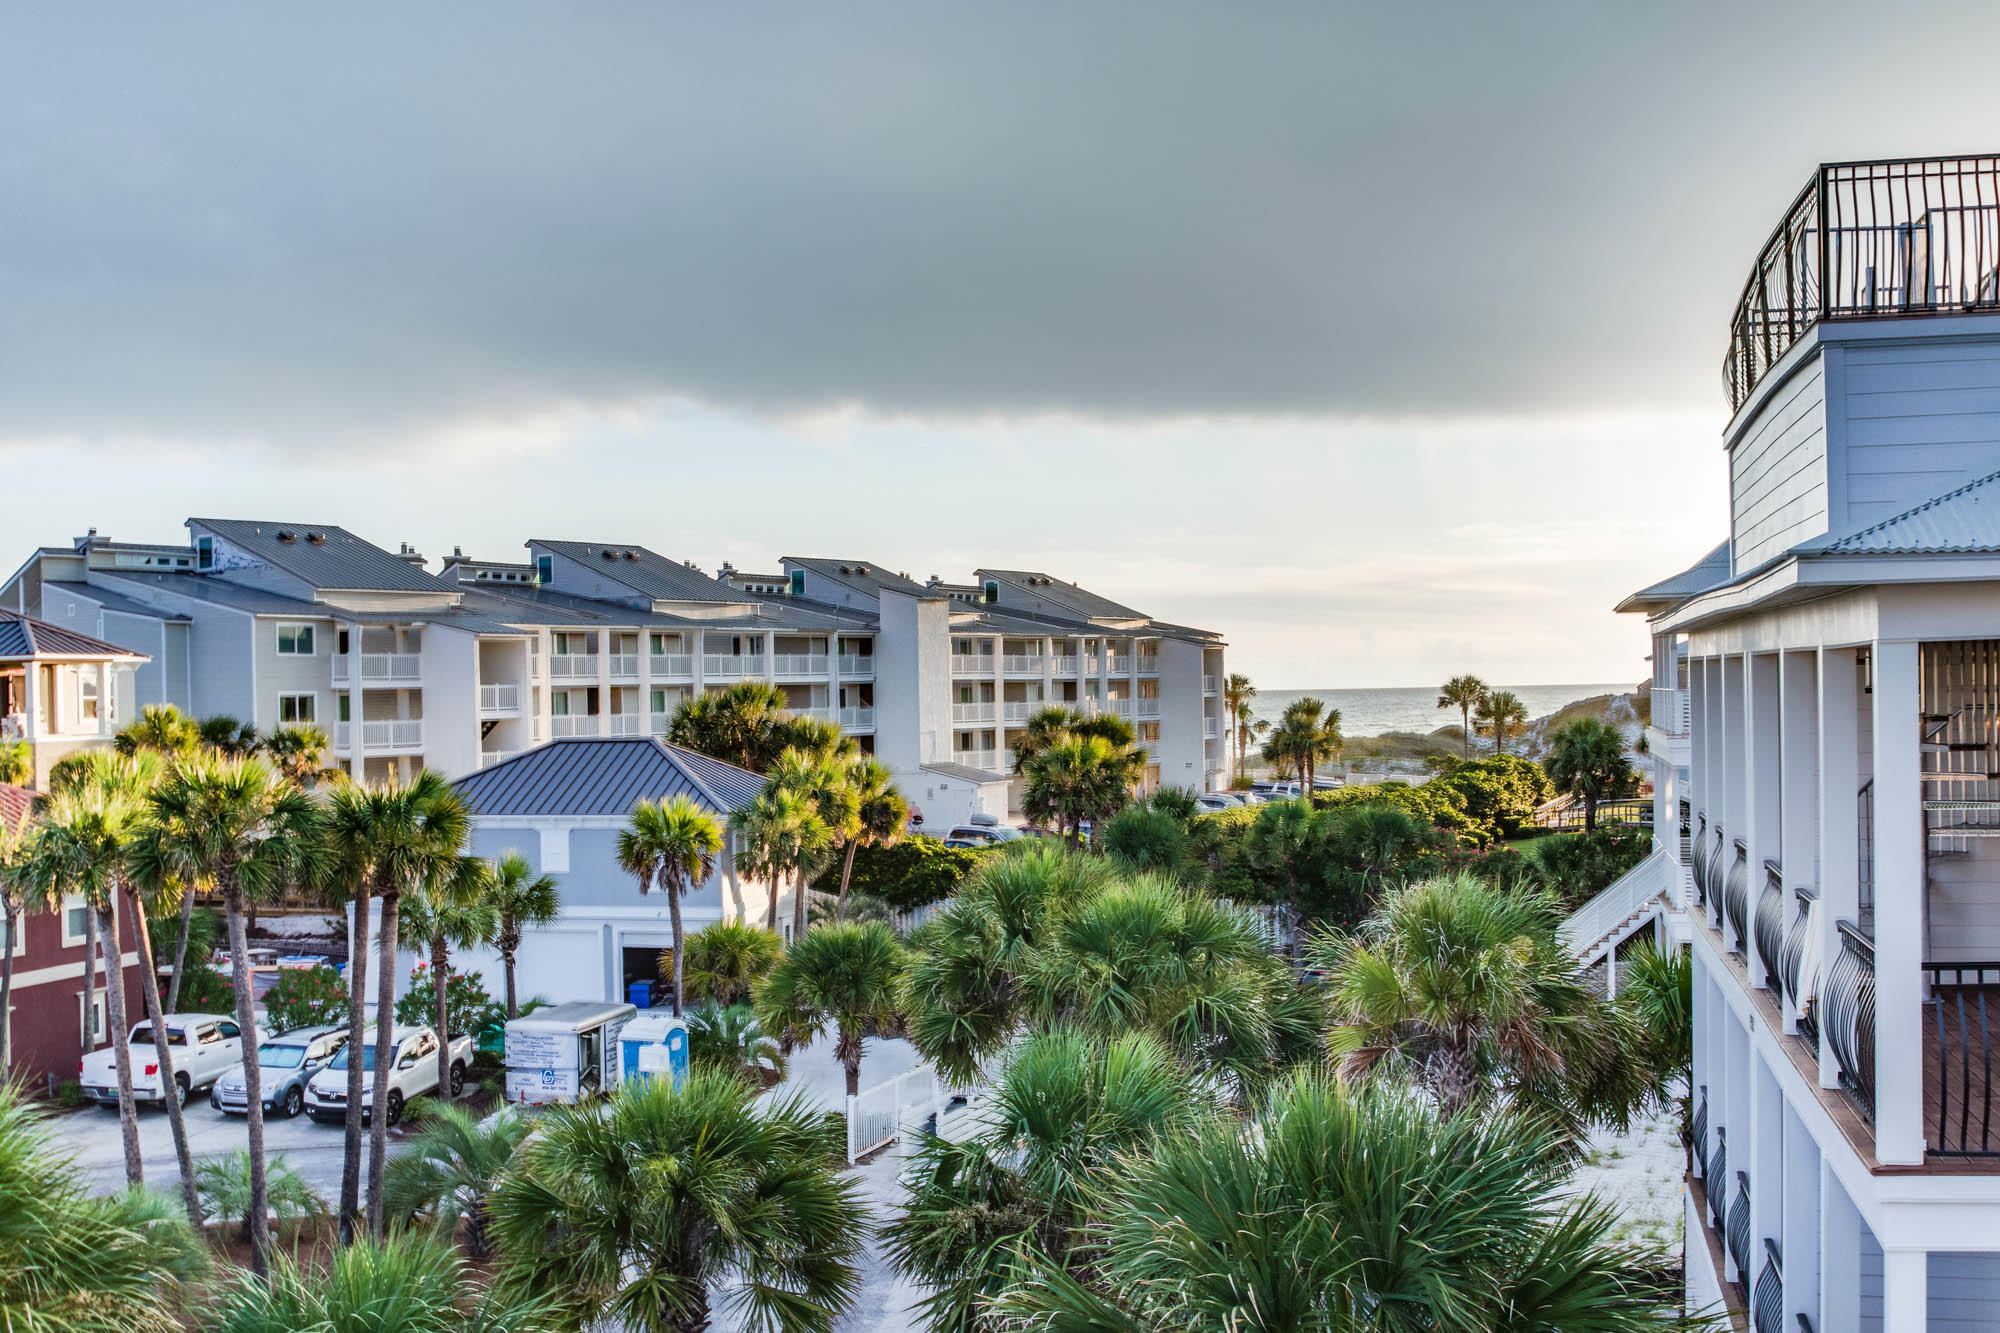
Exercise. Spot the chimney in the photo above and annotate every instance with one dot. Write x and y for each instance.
(410, 554)
(726, 570)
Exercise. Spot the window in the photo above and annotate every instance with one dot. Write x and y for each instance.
(10, 935)
(208, 1035)
(90, 1022)
(204, 552)
(229, 1031)
(798, 583)
(559, 703)
(340, 642)
(297, 709)
(295, 640)
(545, 569)
(75, 924)
(660, 701)
(992, 590)
(86, 696)
(340, 707)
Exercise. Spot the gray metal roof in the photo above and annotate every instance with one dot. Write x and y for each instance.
(23, 639)
(338, 560)
(645, 572)
(867, 576)
(1080, 600)
(965, 773)
(123, 605)
(221, 592)
(1962, 521)
(1710, 571)
(582, 776)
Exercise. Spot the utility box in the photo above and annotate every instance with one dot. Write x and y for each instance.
(565, 1053)
(654, 1046)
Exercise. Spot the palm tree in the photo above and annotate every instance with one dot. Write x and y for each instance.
(730, 1037)
(1471, 987)
(227, 736)
(160, 727)
(16, 767)
(883, 817)
(725, 961)
(781, 834)
(1077, 779)
(1284, 842)
(236, 824)
(631, 1211)
(1068, 1105)
(1587, 759)
(824, 741)
(674, 844)
(1350, 1211)
(78, 1264)
(1237, 692)
(1463, 693)
(450, 1169)
(840, 976)
(402, 1284)
(299, 752)
(1308, 732)
(223, 1185)
(1500, 715)
(447, 912)
(733, 725)
(827, 783)
(521, 898)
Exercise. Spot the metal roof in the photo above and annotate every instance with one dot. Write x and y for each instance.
(867, 576)
(594, 775)
(1961, 521)
(24, 639)
(965, 773)
(1710, 571)
(118, 602)
(221, 592)
(1082, 601)
(646, 572)
(338, 559)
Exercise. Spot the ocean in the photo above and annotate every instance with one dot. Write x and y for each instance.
(1414, 708)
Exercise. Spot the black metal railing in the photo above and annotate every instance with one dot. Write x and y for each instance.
(1770, 924)
(1961, 1037)
(1867, 240)
(1717, 1179)
(1738, 1234)
(1767, 1307)
(1791, 959)
(1701, 1131)
(1805, 1324)
(1698, 857)
(1736, 900)
(1687, 840)
(1849, 1000)
(1864, 826)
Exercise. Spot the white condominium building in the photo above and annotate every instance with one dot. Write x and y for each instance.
(1826, 739)
(280, 623)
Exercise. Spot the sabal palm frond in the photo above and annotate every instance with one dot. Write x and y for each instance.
(674, 844)
(839, 977)
(403, 1284)
(521, 899)
(451, 1166)
(726, 958)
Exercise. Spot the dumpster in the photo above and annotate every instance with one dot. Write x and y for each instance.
(566, 1052)
(654, 1045)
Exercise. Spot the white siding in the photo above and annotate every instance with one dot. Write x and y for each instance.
(1919, 419)
(1778, 472)
(1962, 1290)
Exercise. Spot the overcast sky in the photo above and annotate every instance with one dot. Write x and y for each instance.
(1363, 335)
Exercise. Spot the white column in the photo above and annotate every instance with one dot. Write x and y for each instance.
(31, 685)
(1899, 908)
(1839, 1256)
(1735, 770)
(1800, 1242)
(1839, 837)
(1905, 1284)
(103, 699)
(1738, 1115)
(645, 682)
(1766, 1164)
(1762, 782)
(606, 641)
(1799, 740)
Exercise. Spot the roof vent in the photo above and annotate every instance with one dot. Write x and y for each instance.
(316, 538)
(631, 555)
(287, 535)
(861, 569)
(609, 555)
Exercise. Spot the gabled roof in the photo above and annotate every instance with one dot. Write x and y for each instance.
(23, 639)
(645, 572)
(584, 776)
(867, 576)
(338, 559)
(1082, 601)
(1959, 522)
(119, 602)
(1710, 571)
(220, 592)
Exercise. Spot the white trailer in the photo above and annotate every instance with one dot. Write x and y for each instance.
(566, 1052)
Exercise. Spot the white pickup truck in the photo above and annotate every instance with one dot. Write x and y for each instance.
(412, 1073)
(204, 1048)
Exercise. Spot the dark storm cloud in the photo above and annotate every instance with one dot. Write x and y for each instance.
(258, 224)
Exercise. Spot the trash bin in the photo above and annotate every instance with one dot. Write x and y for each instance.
(640, 994)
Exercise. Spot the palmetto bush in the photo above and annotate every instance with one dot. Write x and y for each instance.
(450, 1169)
(223, 1185)
(403, 1284)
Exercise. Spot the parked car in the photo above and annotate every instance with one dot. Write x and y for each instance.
(1217, 800)
(285, 1064)
(981, 835)
(204, 1048)
(412, 1073)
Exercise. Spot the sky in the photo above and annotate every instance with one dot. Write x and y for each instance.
(1384, 339)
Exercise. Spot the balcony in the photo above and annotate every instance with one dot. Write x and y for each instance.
(382, 668)
(1149, 664)
(500, 700)
(799, 664)
(1146, 707)
(1670, 711)
(972, 664)
(573, 666)
(1211, 727)
(488, 758)
(1848, 1002)
(1209, 684)
(659, 723)
(1023, 664)
(857, 719)
(624, 666)
(729, 666)
(395, 737)
(968, 714)
(1768, 1303)
(1116, 707)
(1868, 240)
(627, 724)
(855, 666)
(1769, 924)
(989, 760)
(673, 666)
(1118, 664)
(1063, 666)
(573, 724)
(1020, 710)
(1736, 900)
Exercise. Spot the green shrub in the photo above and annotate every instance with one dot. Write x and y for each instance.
(69, 1093)
(915, 872)
(467, 1006)
(1578, 866)
(207, 991)
(304, 997)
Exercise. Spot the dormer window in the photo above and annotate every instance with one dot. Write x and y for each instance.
(992, 590)
(204, 552)
(798, 583)
(545, 569)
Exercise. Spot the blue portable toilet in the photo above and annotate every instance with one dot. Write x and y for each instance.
(654, 1044)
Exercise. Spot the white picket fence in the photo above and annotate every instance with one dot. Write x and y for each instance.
(878, 1116)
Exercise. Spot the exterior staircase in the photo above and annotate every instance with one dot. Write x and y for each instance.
(1628, 905)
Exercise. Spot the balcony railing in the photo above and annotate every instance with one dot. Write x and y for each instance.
(1020, 710)
(1770, 923)
(488, 758)
(854, 664)
(1062, 666)
(1736, 900)
(1738, 1231)
(1698, 855)
(1209, 684)
(398, 735)
(981, 712)
(628, 724)
(1849, 1003)
(1118, 664)
(988, 760)
(1211, 727)
(1149, 707)
(1700, 1130)
(680, 665)
(1767, 1305)
(798, 664)
(1670, 710)
(1716, 1179)
(732, 664)
(659, 723)
(499, 698)
(1023, 664)
(857, 719)
(625, 666)
(1869, 240)
(573, 666)
(972, 664)
(1963, 1039)
(573, 724)
(1801, 989)
(386, 666)
(1149, 663)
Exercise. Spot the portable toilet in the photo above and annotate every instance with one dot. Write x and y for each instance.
(654, 1044)
(565, 1052)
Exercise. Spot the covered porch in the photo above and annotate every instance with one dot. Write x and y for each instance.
(60, 691)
